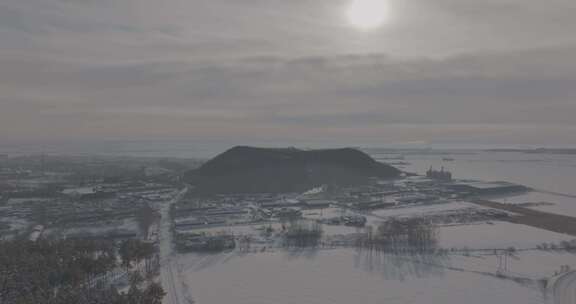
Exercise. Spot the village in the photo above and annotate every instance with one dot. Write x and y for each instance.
(200, 222)
(40, 200)
(146, 201)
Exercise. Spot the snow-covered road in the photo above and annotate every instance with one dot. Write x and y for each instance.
(168, 273)
(565, 289)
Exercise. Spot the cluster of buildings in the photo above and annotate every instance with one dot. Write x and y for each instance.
(347, 220)
(114, 216)
(73, 201)
(196, 220)
(202, 241)
(68, 199)
(198, 223)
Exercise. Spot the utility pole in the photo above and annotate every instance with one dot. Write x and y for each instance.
(502, 261)
(43, 162)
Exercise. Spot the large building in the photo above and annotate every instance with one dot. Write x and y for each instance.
(441, 175)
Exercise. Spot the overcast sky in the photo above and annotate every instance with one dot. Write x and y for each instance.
(490, 71)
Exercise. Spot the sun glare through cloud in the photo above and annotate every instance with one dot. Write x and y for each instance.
(368, 14)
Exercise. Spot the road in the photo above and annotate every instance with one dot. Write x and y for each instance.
(565, 289)
(535, 218)
(168, 271)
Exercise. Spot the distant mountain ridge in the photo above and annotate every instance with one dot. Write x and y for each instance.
(245, 169)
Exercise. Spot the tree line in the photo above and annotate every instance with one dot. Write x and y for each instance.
(75, 271)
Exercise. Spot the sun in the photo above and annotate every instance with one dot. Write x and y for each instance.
(368, 14)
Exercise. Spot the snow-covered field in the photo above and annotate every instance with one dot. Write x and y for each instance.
(552, 203)
(496, 235)
(422, 210)
(338, 277)
(99, 228)
(349, 276)
(533, 263)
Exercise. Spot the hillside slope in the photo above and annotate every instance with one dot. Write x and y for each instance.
(249, 170)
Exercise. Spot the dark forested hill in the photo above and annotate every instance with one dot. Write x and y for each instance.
(248, 170)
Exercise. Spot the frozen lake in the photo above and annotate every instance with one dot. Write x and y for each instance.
(540, 171)
(546, 172)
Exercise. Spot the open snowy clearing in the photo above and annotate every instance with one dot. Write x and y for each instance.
(496, 235)
(339, 277)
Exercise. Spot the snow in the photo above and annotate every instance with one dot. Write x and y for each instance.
(347, 276)
(79, 190)
(533, 263)
(560, 204)
(497, 235)
(95, 228)
(324, 213)
(335, 277)
(421, 210)
(238, 230)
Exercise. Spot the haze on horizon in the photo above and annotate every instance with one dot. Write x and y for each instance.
(494, 71)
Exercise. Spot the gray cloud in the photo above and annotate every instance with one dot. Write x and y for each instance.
(443, 70)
